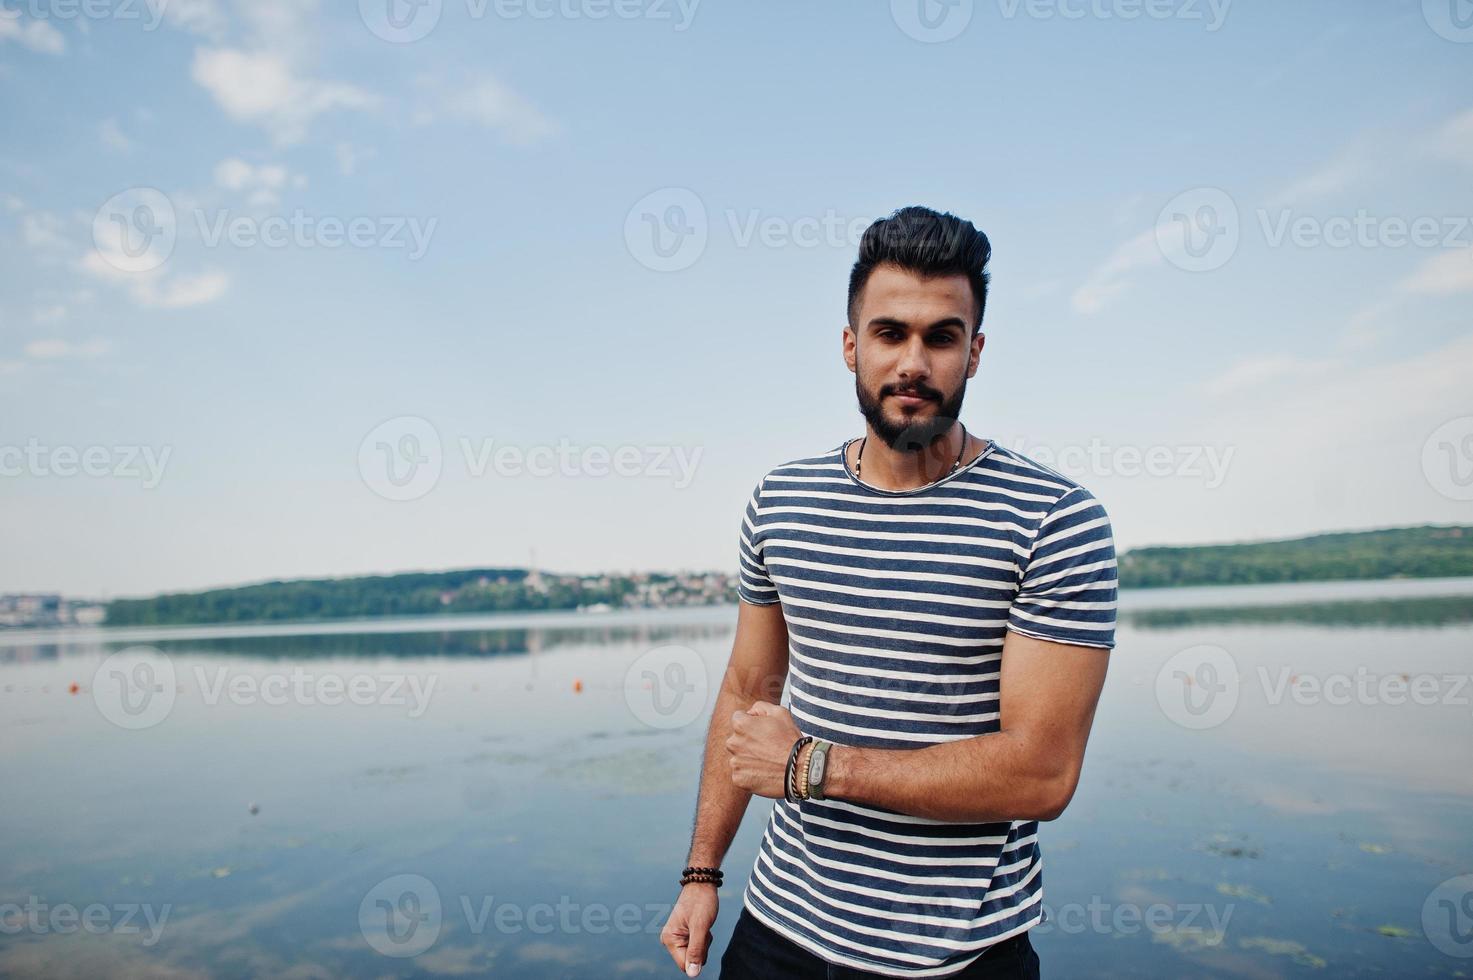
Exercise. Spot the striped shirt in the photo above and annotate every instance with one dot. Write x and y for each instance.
(896, 603)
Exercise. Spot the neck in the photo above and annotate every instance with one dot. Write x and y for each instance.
(889, 469)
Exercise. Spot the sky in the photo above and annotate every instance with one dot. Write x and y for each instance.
(300, 289)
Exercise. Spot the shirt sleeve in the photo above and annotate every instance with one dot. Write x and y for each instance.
(1069, 588)
(753, 583)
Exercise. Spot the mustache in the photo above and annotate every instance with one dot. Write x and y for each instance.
(920, 390)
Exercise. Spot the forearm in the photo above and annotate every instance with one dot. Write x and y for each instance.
(721, 803)
(994, 777)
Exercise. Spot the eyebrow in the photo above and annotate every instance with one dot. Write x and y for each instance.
(889, 321)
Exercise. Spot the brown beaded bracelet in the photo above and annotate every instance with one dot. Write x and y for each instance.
(702, 875)
(790, 775)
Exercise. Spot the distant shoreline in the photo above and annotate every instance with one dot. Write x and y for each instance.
(1132, 601)
(1384, 555)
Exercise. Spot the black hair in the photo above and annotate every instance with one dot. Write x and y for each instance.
(926, 242)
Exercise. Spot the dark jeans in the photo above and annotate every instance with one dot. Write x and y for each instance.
(758, 953)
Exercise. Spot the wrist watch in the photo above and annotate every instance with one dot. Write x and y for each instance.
(817, 768)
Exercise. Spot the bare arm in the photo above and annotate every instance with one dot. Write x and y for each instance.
(756, 671)
(1027, 770)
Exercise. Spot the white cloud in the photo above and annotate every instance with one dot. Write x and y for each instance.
(1111, 278)
(1454, 139)
(173, 294)
(349, 156)
(485, 101)
(55, 348)
(262, 182)
(42, 230)
(50, 314)
(38, 35)
(263, 89)
(1255, 371)
(1443, 274)
(112, 136)
(153, 288)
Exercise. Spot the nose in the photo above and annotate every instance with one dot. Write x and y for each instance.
(914, 364)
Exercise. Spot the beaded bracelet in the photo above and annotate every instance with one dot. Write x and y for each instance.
(790, 789)
(703, 875)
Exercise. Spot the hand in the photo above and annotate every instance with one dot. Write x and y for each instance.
(761, 740)
(687, 933)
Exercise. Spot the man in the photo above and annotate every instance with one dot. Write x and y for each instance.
(942, 610)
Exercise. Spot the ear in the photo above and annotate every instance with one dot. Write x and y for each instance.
(974, 356)
(849, 349)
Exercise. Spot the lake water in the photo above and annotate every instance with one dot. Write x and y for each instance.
(1278, 784)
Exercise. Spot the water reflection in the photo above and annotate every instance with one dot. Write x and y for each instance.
(533, 801)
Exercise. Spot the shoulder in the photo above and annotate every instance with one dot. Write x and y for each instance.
(794, 474)
(1040, 482)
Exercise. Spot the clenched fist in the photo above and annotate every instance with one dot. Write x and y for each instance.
(757, 750)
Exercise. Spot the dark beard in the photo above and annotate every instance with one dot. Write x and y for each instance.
(914, 436)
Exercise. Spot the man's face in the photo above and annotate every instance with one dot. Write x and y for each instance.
(911, 352)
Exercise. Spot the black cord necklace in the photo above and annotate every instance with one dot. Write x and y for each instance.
(859, 459)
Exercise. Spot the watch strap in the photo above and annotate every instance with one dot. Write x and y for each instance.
(818, 768)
